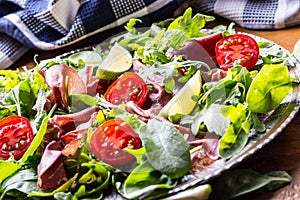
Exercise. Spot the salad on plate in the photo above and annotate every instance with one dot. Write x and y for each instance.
(142, 113)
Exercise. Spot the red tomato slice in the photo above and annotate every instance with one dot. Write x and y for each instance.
(16, 135)
(111, 138)
(128, 87)
(240, 47)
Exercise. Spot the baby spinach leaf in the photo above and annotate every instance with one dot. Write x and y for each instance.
(144, 179)
(281, 178)
(232, 142)
(241, 181)
(236, 136)
(258, 125)
(166, 149)
(24, 181)
(270, 86)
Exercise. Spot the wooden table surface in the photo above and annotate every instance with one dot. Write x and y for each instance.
(282, 153)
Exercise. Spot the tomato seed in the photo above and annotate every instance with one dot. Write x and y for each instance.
(17, 145)
(4, 147)
(8, 147)
(22, 142)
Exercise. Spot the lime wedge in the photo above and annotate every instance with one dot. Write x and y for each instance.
(296, 50)
(117, 61)
(90, 58)
(200, 192)
(182, 103)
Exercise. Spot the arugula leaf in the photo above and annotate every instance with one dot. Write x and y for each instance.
(191, 25)
(10, 80)
(212, 117)
(40, 111)
(231, 90)
(38, 137)
(130, 25)
(166, 149)
(216, 93)
(22, 97)
(271, 53)
(134, 41)
(155, 50)
(20, 90)
(6, 111)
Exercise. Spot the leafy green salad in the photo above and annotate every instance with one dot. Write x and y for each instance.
(133, 116)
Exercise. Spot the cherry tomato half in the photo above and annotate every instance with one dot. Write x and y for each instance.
(16, 135)
(111, 138)
(128, 87)
(240, 47)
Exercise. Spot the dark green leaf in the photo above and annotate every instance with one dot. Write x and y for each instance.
(166, 149)
(239, 182)
(145, 180)
(24, 181)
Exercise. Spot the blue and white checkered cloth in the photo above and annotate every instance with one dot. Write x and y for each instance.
(51, 24)
(253, 14)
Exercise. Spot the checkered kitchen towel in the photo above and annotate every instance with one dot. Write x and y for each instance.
(50, 24)
(253, 14)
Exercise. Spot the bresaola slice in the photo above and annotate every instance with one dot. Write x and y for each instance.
(70, 122)
(51, 171)
(209, 42)
(192, 50)
(60, 78)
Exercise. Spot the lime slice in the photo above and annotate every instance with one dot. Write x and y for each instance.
(117, 61)
(90, 58)
(182, 103)
(296, 50)
(200, 192)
